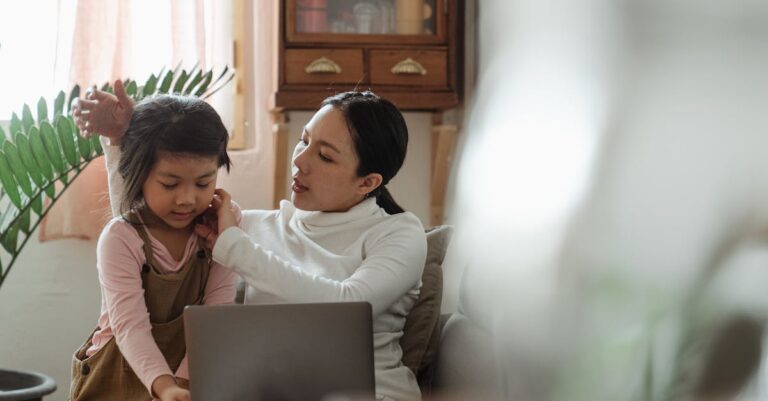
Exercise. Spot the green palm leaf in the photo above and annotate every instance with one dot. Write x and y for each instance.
(131, 88)
(42, 110)
(17, 167)
(37, 205)
(218, 88)
(193, 82)
(204, 86)
(150, 86)
(180, 82)
(58, 104)
(9, 184)
(10, 238)
(167, 81)
(24, 221)
(67, 138)
(52, 148)
(3, 137)
(27, 121)
(25, 152)
(41, 157)
(221, 76)
(15, 124)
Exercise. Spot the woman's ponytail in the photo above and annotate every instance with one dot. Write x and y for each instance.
(385, 200)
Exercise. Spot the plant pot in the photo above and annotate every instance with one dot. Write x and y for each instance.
(24, 386)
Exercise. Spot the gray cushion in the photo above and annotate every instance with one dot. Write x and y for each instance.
(421, 332)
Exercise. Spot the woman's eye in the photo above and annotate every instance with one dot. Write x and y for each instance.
(204, 185)
(325, 159)
(168, 186)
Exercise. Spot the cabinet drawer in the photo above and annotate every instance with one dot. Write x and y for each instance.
(409, 67)
(323, 66)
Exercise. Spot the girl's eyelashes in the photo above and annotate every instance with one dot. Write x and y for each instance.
(325, 159)
(174, 185)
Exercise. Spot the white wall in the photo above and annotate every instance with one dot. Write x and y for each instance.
(50, 301)
(49, 304)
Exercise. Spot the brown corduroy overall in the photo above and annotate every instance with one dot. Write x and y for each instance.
(106, 375)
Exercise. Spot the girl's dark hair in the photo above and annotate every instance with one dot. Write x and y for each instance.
(380, 137)
(181, 125)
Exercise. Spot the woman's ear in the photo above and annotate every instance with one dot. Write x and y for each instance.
(369, 183)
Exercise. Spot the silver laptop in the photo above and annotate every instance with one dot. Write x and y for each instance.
(290, 352)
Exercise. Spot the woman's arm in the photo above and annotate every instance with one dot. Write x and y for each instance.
(108, 115)
(392, 265)
(391, 268)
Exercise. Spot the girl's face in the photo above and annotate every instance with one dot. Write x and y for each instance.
(325, 166)
(180, 187)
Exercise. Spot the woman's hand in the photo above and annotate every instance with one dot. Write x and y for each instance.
(104, 113)
(165, 388)
(217, 218)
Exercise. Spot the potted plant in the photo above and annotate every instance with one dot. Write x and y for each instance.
(40, 157)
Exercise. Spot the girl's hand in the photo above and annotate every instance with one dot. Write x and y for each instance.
(175, 393)
(104, 113)
(166, 389)
(217, 218)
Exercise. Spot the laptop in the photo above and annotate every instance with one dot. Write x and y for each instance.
(288, 352)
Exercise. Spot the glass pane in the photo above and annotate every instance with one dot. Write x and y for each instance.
(363, 17)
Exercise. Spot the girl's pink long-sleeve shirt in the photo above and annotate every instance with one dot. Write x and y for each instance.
(124, 315)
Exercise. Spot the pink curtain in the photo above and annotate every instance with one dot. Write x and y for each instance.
(102, 51)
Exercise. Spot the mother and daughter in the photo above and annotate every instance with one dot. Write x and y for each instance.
(176, 240)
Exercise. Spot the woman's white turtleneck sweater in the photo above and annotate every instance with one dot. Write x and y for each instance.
(363, 254)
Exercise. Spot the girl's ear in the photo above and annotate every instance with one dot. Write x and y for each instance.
(369, 183)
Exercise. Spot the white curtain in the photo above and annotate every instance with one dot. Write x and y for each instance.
(107, 40)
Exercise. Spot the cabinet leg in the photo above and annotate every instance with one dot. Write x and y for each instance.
(280, 138)
(443, 147)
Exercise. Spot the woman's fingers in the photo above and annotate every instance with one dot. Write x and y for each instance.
(121, 94)
(85, 106)
(225, 197)
(206, 233)
(203, 230)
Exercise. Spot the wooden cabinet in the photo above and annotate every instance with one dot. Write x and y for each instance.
(407, 51)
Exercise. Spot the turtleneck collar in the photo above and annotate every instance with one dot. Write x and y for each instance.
(316, 220)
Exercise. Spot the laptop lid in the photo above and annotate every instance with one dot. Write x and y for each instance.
(288, 352)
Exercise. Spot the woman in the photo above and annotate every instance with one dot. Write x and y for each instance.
(341, 237)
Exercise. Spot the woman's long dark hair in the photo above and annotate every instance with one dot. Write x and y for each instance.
(380, 137)
(181, 125)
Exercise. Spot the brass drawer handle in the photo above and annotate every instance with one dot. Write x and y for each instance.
(409, 66)
(323, 65)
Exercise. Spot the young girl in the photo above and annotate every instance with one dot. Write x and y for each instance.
(150, 262)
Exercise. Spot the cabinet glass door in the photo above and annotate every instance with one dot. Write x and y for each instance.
(369, 19)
